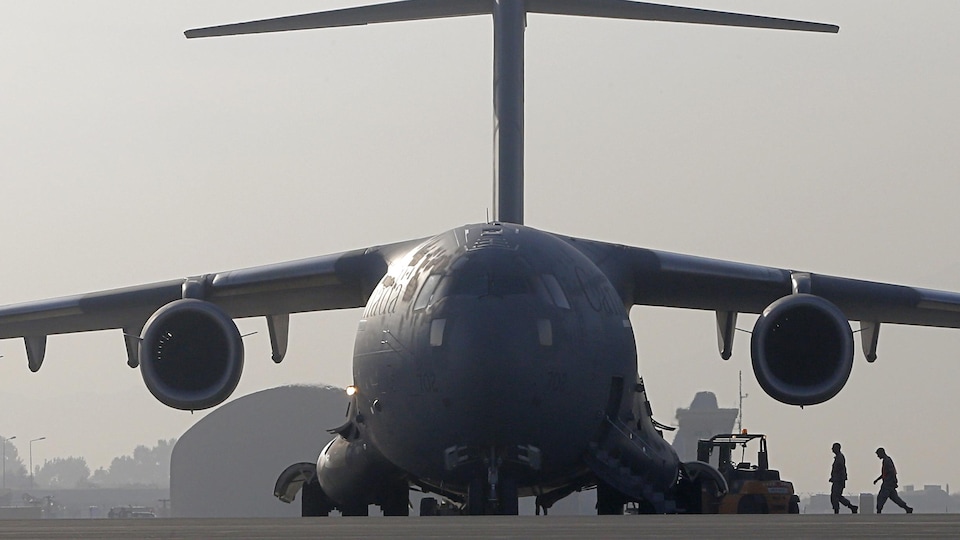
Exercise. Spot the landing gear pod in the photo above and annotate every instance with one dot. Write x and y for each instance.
(354, 475)
(802, 349)
(191, 355)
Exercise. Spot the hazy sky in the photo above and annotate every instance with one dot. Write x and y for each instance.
(129, 154)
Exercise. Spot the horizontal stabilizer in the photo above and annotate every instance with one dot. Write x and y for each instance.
(408, 10)
(625, 9)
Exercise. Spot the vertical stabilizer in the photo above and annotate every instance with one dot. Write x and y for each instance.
(509, 21)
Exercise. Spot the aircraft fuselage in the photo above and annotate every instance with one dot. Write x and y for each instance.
(489, 342)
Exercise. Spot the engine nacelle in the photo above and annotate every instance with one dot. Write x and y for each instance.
(191, 355)
(802, 349)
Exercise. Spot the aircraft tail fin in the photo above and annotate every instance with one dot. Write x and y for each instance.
(509, 22)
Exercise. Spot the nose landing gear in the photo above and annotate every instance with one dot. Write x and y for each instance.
(493, 494)
(488, 499)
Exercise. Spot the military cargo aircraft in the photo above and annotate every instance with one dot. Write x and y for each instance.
(494, 360)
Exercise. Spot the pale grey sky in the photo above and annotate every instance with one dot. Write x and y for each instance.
(129, 154)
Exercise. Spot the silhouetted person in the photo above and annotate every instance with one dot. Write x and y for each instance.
(838, 480)
(888, 488)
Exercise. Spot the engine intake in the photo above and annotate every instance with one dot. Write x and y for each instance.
(191, 355)
(802, 349)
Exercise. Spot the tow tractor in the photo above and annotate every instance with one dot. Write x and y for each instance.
(753, 488)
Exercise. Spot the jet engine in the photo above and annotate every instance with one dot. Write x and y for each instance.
(802, 349)
(191, 355)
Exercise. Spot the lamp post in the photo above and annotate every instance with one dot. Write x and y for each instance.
(31, 457)
(5, 459)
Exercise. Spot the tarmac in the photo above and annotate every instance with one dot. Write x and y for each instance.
(463, 528)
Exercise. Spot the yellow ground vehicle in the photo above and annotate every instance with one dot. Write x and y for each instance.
(753, 488)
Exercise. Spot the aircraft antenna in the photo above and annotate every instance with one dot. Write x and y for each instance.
(509, 23)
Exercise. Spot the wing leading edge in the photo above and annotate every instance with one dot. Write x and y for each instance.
(659, 278)
(335, 281)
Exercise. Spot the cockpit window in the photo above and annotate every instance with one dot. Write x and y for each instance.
(506, 284)
(469, 284)
(425, 297)
(485, 283)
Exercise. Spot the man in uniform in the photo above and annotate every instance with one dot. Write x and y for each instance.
(888, 488)
(838, 480)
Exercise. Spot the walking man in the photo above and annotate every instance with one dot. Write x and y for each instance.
(888, 488)
(838, 480)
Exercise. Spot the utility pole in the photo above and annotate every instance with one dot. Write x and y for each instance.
(740, 408)
(5, 459)
(31, 458)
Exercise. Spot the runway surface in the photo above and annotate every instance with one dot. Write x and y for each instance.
(559, 527)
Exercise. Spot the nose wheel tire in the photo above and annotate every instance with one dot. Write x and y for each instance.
(476, 498)
(508, 501)
(478, 501)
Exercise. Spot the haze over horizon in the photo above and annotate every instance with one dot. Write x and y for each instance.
(132, 155)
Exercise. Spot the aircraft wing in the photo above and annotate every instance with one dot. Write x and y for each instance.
(335, 281)
(660, 278)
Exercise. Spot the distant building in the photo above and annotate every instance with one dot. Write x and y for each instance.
(702, 420)
(932, 499)
(227, 464)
